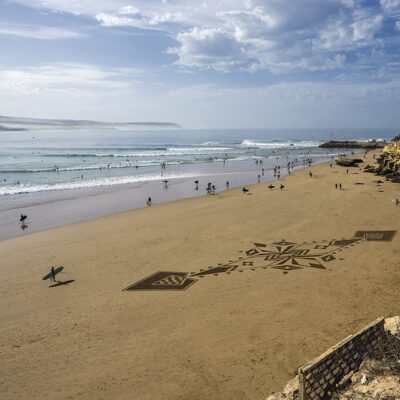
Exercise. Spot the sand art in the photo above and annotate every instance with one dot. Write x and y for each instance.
(282, 255)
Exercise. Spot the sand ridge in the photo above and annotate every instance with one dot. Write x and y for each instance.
(237, 336)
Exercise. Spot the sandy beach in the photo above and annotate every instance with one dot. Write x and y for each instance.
(288, 279)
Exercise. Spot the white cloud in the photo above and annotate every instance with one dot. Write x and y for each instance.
(138, 20)
(205, 47)
(397, 25)
(306, 35)
(129, 10)
(113, 21)
(86, 7)
(66, 78)
(280, 36)
(341, 34)
(39, 32)
(391, 6)
(365, 28)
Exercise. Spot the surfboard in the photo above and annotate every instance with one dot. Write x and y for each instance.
(56, 271)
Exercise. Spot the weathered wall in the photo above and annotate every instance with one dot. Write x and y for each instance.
(321, 375)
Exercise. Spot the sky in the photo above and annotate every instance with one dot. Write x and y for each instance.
(203, 64)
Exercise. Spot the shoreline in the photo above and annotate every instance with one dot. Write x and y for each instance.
(52, 209)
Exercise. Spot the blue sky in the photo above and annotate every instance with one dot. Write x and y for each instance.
(220, 63)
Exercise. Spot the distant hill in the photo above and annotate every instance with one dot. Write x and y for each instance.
(7, 128)
(19, 123)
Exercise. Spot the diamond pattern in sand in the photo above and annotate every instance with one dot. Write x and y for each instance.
(282, 255)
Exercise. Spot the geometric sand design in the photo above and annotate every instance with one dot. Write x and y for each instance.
(163, 280)
(385, 236)
(282, 255)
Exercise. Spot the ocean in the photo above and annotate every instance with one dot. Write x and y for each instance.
(41, 161)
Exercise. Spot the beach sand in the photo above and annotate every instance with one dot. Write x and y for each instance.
(240, 335)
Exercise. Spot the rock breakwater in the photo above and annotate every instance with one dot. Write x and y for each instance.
(351, 144)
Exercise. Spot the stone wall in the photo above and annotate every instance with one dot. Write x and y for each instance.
(319, 377)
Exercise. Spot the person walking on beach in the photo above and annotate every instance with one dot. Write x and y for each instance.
(149, 201)
(227, 184)
(340, 186)
(310, 173)
(53, 275)
(335, 185)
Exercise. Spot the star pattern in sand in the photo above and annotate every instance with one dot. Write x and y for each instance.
(283, 255)
(290, 256)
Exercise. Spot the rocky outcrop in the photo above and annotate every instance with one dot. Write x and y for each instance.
(291, 391)
(348, 162)
(351, 144)
(389, 161)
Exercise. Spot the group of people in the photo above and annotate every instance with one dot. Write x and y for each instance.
(290, 165)
(277, 171)
(211, 188)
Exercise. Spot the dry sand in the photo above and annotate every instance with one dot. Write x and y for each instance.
(231, 336)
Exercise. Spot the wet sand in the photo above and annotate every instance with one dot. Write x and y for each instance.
(46, 210)
(240, 335)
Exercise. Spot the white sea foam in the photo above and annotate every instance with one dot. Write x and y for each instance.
(279, 145)
(172, 151)
(211, 143)
(79, 184)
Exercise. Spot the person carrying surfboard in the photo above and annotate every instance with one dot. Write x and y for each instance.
(52, 274)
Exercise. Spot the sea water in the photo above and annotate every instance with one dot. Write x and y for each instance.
(40, 161)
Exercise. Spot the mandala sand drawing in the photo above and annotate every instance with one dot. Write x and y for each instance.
(283, 255)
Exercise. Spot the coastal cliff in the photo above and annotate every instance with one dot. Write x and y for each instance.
(389, 161)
